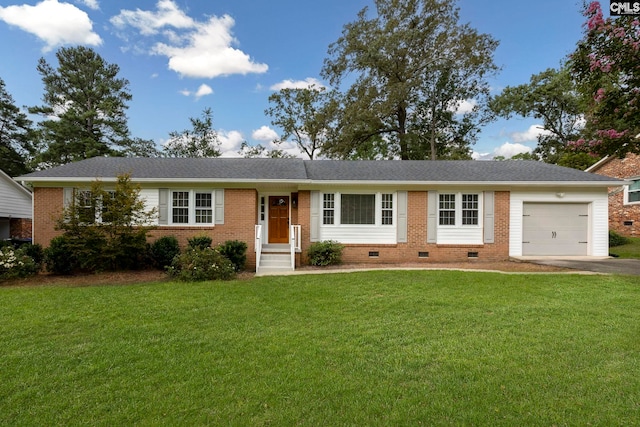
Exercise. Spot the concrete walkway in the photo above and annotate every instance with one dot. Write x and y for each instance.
(604, 265)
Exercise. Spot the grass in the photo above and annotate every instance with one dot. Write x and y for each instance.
(630, 250)
(374, 348)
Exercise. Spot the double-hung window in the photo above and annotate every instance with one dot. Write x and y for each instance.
(458, 209)
(86, 206)
(387, 209)
(633, 191)
(328, 208)
(193, 207)
(447, 209)
(470, 207)
(204, 208)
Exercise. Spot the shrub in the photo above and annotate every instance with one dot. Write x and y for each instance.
(197, 264)
(103, 230)
(34, 251)
(16, 263)
(58, 257)
(200, 242)
(616, 239)
(164, 250)
(236, 252)
(327, 252)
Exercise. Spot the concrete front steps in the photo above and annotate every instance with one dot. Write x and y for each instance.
(274, 260)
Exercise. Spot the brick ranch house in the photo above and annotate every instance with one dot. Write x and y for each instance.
(624, 200)
(15, 210)
(382, 211)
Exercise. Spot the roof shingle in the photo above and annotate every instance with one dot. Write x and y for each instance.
(298, 170)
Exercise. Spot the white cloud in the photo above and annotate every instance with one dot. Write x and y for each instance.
(54, 23)
(265, 133)
(464, 106)
(298, 84)
(203, 90)
(230, 143)
(530, 134)
(91, 4)
(508, 150)
(150, 23)
(194, 49)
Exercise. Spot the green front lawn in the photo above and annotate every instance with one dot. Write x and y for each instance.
(375, 348)
(630, 250)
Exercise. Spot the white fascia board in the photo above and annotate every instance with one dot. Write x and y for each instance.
(311, 184)
(503, 184)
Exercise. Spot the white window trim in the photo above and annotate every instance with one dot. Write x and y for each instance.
(626, 193)
(337, 209)
(192, 207)
(458, 210)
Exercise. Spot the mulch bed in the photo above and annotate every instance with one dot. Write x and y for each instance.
(145, 276)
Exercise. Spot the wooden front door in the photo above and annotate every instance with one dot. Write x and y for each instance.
(278, 219)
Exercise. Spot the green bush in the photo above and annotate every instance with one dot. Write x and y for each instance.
(327, 252)
(616, 239)
(164, 250)
(34, 251)
(200, 242)
(16, 263)
(236, 252)
(58, 257)
(197, 264)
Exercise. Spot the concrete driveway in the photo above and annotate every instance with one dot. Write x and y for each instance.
(596, 265)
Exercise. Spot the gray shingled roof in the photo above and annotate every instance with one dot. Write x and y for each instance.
(178, 168)
(297, 170)
(445, 171)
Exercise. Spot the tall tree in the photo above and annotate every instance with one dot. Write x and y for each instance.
(84, 107)
(16, 147)
(305, 115)
(552, 97)
(605, 66)
(413, 62)
(200, 141)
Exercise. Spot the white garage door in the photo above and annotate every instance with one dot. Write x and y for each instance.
(555, 229)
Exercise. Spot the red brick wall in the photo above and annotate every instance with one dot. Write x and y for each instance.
(239, 224)
(417, 237)
(240, 217)
(628, 167)
(47, 208)
(20, 228)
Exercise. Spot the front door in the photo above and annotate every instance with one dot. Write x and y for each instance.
(278, 219)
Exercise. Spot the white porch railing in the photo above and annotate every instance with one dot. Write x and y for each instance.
(258, 244)
(294, 235)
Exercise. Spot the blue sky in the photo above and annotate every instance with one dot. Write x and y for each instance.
(182, 56)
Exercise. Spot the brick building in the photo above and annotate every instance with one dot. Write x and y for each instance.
(382, 211)
(624, 200)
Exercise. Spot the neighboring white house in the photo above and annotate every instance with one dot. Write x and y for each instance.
(15, 209)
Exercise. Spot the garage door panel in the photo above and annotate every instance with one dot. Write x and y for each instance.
(555, 229)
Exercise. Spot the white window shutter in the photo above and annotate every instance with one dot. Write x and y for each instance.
(432, 217)
(315, 216)
(402, 201)
(489, 220)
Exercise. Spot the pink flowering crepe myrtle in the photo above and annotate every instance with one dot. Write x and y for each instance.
(606, 66)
